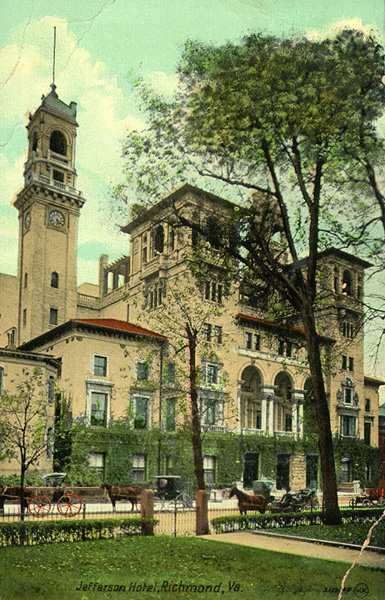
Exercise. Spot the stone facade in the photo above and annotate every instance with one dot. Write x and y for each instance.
(254, 385)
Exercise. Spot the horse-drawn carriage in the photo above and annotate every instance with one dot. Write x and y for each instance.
(168, 494)
(38, 499)
(293, 501)
(369, 497)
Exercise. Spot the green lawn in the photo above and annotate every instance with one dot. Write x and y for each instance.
(60, 571)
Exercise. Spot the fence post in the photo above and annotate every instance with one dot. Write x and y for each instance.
(202, 522)
(147, 510)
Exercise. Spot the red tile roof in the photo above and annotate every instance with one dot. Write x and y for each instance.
(119, 325)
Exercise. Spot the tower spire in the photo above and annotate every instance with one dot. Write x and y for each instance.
(53, 86)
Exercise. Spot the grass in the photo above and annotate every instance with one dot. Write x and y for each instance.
(57, 570)
(353, 533)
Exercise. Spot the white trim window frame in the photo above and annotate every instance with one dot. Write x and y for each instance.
(99, 365)
(144, 404)
(103, 390)
(142, 369)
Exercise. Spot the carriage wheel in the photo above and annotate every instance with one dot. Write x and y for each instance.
(366, 502)
(39, 506)
(69, 505)
(183, 500)
(159, 504)
(312, 505)
(352, 503)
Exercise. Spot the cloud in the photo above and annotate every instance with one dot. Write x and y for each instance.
(340, 25)
(103, 115)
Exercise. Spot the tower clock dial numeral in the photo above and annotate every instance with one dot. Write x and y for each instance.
(56, 218)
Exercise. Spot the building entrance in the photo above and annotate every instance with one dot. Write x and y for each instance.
(250, 469)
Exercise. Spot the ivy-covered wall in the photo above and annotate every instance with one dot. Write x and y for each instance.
(171, 453)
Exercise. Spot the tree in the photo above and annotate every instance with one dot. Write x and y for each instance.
(24, 420)
(280, 118)
(182, 315)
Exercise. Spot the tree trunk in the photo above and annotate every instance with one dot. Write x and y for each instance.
(195, 419)
(332, 514)
(22, 478)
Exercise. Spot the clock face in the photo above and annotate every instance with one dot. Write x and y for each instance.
(27, 220)
(56, 218)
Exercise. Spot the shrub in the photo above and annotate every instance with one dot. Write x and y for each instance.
(46, 532)
(292, 520)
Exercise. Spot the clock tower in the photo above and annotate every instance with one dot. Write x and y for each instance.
(49, 206)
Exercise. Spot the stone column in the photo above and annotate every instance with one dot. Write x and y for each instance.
(239, 415)
(297, 397)
(267, 402)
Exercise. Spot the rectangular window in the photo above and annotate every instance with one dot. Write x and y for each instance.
(219, 294)
(24, 317)
(53, 316)
(207, 290)
(281, 348)
(288, 422)
(138, 468)
(218, 334)
(248, 340)
(348, 395)
(368, 433)
(257, 341)
(99, 409)
(367, 405)
(209, 469)
(170, 414)
(288, 349)
(212, 372)
(351, 363)
(213, 292)
(207, 332)
(348, 426)
(100, 365)
(141, 412)
(96, 463)
(142, 370)
(344, 362)
(169, 373)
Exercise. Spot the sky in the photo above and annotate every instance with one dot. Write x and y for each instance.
(101, 47)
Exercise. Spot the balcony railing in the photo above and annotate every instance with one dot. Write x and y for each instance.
(32, 177)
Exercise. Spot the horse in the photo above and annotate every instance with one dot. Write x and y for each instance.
(249, 501)
(13, 492)
(127, 492)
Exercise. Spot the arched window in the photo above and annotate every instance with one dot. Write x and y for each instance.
(34, 142)
(251, 415)
(159, 239)
(283, 405)
(347, 284)
(58, 143)
(54, 280)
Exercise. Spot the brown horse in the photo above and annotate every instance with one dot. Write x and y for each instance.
(13, 492)
(123, 492)
(249, 501)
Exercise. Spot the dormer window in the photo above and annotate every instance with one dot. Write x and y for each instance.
(58, 143)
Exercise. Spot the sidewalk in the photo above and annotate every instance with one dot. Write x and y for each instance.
(279, 543)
